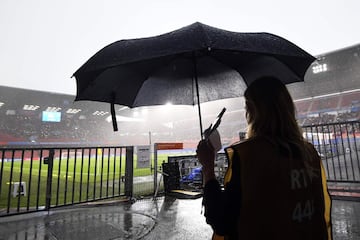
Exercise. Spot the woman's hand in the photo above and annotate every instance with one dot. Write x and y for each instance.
(206, 156)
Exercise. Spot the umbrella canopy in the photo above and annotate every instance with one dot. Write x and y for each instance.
(188, 66)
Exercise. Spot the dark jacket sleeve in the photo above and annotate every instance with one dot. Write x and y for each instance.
(222, 207)
(214, 204)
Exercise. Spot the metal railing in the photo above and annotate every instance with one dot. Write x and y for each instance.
(34, 179)
(339, 147)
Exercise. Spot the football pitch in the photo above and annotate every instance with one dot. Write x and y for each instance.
(72, 180)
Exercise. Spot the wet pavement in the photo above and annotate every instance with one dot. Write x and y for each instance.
(164, 218)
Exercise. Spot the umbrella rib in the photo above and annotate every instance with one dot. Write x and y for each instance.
(272, 55)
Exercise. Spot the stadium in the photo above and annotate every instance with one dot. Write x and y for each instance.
(57, 153)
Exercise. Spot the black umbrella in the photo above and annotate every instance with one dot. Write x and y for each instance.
(188, 66)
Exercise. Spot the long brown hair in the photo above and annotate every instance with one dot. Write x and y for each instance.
(270, 112)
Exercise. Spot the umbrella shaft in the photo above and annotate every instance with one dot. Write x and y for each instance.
(197, 93)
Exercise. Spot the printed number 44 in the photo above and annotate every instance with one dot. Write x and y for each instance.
(303, 211)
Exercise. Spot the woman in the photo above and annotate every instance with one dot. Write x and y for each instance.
(274, 187)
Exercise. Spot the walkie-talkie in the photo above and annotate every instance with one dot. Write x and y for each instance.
(214, 125)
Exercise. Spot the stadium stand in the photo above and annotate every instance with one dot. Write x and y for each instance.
(325, 104)
(351, 100)
(303, 106)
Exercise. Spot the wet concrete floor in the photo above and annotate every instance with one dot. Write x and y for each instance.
(164, 218)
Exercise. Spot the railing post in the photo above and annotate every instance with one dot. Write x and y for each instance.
(129, 171)
(155, 167)
(49, 160)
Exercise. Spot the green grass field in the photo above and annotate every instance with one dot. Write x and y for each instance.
(72, 181)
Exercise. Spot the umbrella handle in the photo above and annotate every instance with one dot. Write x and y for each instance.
(113, 117)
